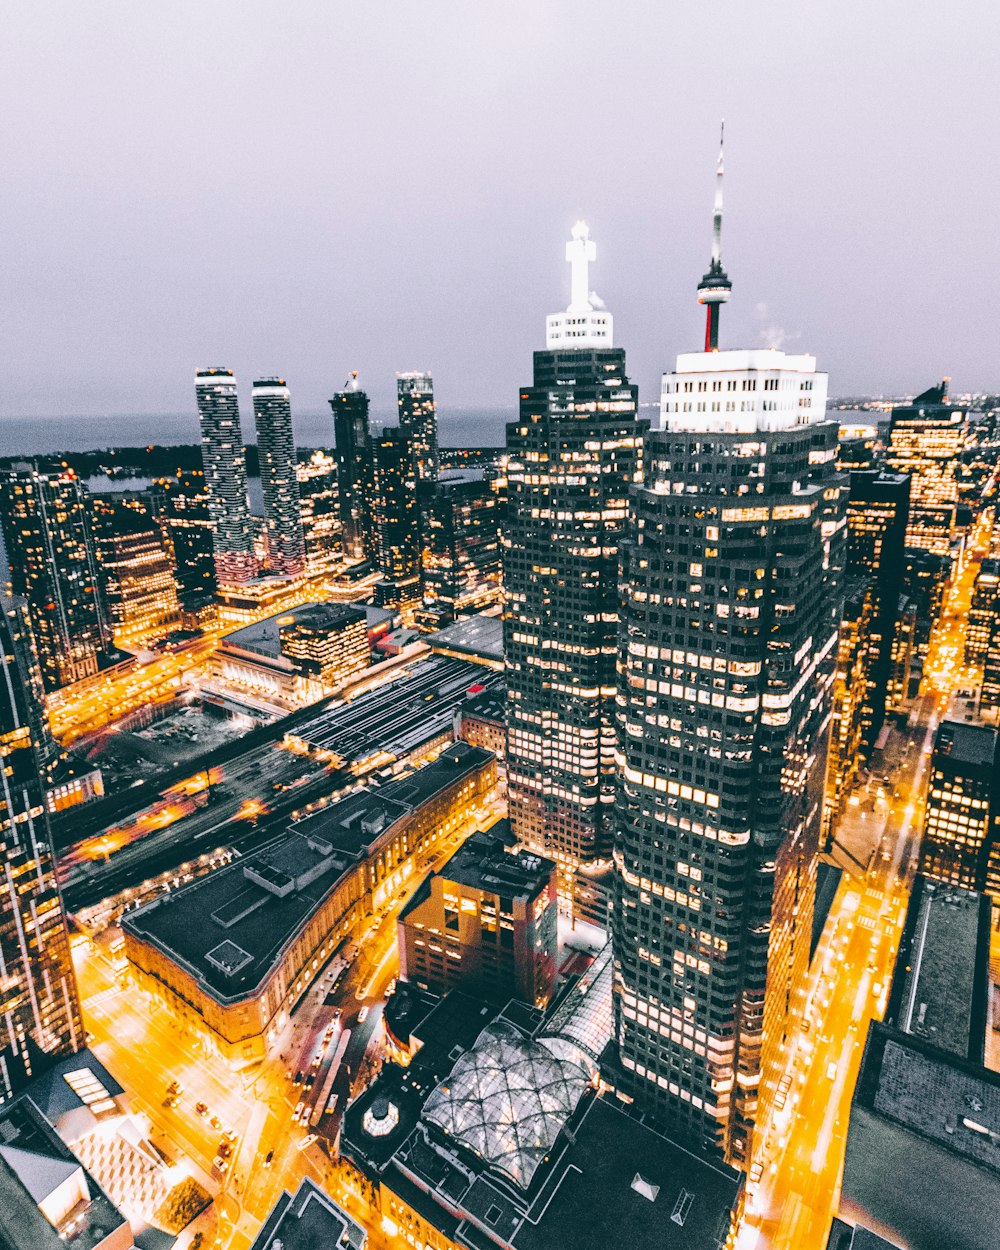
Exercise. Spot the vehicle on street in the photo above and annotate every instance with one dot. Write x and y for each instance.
(363, 1014)
(269, 1158)
(201, 1108)
(831, 1071)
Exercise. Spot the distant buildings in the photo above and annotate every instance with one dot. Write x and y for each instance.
(320, 512)
(961, 842)
(182, 505)
(925, 576)
(224, 460)
(852, 680)
(53, 565)
(397, 517)
(39, 1009)
(137, 570)
(982, 636)
(355, 471)
(486, 922)
(418, 421)
(926, 440)
(232, 953)
(856, 446)
(276, 457)
(572, 455)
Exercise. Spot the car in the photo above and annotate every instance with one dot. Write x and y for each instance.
(363, 1014)
(171, 1100)
(201, 1108)
(310, 1080)
(215, 1122)
(222, 1165)
(269, 1158)
(831, 1070)
(230, 1134)
(299, 1109)
(298, 1079)
(175, 1087)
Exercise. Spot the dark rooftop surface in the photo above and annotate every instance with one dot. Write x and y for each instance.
(264, 637)
(308, 1220)
(482, 862)
(846, 1237)
(962, 743)
(942, 971)
(229, 928)
(488, 704)
(480, 636)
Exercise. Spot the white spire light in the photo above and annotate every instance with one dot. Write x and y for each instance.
(585, 323)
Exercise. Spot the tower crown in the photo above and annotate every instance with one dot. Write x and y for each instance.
(585, 323)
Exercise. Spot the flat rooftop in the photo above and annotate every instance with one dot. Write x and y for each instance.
(962, 743)
(488, 704)
(264, 637)
(939, 992)
(479, 636)
(309, 1219)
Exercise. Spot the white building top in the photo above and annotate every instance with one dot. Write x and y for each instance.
(736, 392)
(585, 323)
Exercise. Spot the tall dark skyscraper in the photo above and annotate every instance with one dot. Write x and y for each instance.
(272, 412)
(137, 570)
(572, 456)
(730, 582)
(39, 1009)
(355, 471)
(181, 503)
(461, 558)
(926, 441)
(50, 550)
(224, 460)
(878, 509)
(398, 519)
(418, 420)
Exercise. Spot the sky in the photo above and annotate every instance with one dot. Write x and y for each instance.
(319, 186)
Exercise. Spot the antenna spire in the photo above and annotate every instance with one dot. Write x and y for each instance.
(715, 287)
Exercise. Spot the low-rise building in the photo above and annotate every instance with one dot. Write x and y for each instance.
(309, 1219)
(482, 721)
(506, 1143)
(232, 953)
(297, 656)
(477, 638)
(486, 921)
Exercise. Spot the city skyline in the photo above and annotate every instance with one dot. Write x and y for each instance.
(830, 166)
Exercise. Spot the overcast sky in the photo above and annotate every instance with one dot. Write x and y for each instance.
(318, 186)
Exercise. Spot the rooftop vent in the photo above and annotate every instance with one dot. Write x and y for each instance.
(646, 1188)
(374, 821)
(682, 1207)
(228, 958)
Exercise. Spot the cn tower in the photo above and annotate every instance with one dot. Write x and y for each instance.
(714, 288)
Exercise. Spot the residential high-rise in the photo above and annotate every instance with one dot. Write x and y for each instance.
(572, 455)
(461, 555)
(319, 508)
(182, 505)
(961, 842)
(877, 514)
(137, 570)
(925, 575)
(730, 586)
(50, 551)
(984, 612)
(39, 1008)
(272, 412)
(355, 471)
(224, 459)
(397, 517)
(418, 420)
(926, 441)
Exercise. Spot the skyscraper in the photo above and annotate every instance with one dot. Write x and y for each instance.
(137, 571)
(319, 509)
(461, 557)
(730, 582)
(878, 508)
(276, 455)
(926, 441)
(355, 471)
(398, 520)
(224, 460)
(418, 420)
(39, 1008)
(50, 550)
(572, 456)
(182, 506)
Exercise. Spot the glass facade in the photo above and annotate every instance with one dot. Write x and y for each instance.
(461, 554)
(137, 571)
(926, 441)
(397, 517)
(182, 505)
(319, 507)
(355, 474)
(418, 419)
(224, 461)
(272, 412)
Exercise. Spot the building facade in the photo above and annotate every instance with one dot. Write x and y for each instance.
(461, 554)
(418, 420)
(276, 457)
(39, 1006)
(485, 922)
(320, 511)
(53, 565)
(984, 613)
(926, 440)
(397, 517)
(355, 471)
(181, 504)
(572, 455)
(878, 507)
(731, 607)
(137, 570)
(224, 461)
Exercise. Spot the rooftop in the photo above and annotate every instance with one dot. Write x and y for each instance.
(940, 988)
(309, 1220)
(264, 637)
(963, 743)
(480, 637)
(487, 704)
